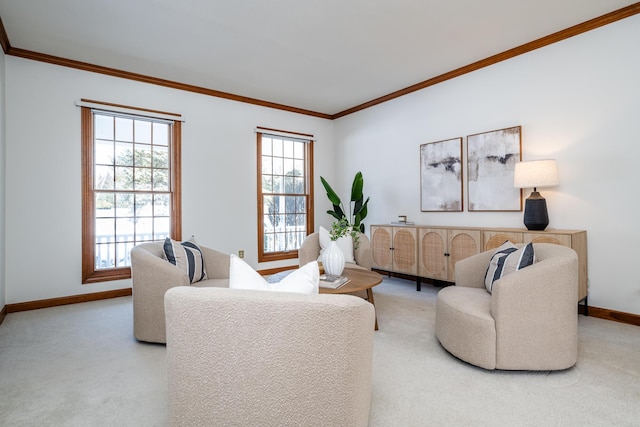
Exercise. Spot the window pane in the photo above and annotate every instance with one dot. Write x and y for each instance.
(142, 155)
(124, 129)
(103, 179)
(124, 178)
(287, 148)
(105, 230)
(277, 147)
(267, 184)
(301, 204)
(266, 146)
(105, 203)
(298, 167)
(143, 206)
(161, 228)
(288, 167)
(103, 152)
(280, 242)
(103, 126)
(278, 166)
(144, 229)
(142, 130)
(124, 154)
(125, 229)
(298, 150)
(161, 205)
(143, 179)
(124, 205)
(123, 254)
(161, 133)
(278, 184)
(267, 165)
(160, 180)
(160, 157)
(105, 255)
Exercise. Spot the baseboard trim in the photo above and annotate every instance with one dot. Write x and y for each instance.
(3, 314)
(600, 313)
(616, 316)
(73, 299)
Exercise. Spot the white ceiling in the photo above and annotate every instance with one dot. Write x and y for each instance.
(321, 55)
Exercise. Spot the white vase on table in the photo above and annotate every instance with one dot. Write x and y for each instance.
(333, 260)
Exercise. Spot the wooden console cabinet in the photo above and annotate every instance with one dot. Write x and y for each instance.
(432, 251)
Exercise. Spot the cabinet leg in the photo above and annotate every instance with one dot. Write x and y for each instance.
(418, 284)
(586, 306)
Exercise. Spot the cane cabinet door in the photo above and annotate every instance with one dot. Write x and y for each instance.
(433, 249)
(405, 250)
(381, 247)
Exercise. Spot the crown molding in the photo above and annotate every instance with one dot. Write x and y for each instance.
(592, 24)
(4, 39)
(575, 30)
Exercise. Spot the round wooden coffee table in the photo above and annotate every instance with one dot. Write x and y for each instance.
(360, 280)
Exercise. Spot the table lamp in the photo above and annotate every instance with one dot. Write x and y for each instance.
(534, 174)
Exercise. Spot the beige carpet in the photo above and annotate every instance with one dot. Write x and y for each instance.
(79, 365)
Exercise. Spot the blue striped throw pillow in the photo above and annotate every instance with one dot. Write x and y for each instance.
(187, 256)
(508, 259)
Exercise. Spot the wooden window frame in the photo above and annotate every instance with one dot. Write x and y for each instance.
(89, 273)
(277, 256)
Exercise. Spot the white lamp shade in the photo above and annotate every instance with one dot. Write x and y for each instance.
(536, 173)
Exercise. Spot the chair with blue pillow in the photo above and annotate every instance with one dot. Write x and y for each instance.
(505, 314)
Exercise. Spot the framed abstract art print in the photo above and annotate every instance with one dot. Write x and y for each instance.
(491, 161)
(441, 176)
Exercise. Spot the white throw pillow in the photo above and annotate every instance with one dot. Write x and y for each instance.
(304, 280)
(345, 243)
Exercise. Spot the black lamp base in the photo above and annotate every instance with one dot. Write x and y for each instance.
(535, 212)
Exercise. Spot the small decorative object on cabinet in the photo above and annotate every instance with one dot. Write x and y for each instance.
(432, 251)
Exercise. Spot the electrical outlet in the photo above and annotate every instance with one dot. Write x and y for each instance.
(241, 254)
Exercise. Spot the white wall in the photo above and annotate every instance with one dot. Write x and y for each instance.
(43, 173)
(2, 179)
(578, 101)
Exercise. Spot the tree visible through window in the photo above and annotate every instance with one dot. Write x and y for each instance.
(285, 202)
(130, 194)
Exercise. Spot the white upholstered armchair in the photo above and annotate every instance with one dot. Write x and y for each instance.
(310, 251)
(528, 322)
(152, 276)
(260, 358)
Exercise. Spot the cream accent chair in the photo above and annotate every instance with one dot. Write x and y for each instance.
(260, 358)
(529, 322)
(310, 251)
(152, 275)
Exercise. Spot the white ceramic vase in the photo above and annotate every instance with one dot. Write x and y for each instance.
(333, 260)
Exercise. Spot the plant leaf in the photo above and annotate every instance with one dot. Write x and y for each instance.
(362, 213)
(333, 197)
(356, 187)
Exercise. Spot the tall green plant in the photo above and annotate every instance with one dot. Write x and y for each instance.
(357, 205)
